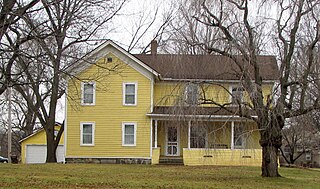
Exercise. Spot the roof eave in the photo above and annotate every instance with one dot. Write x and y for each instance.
(75, 70)
(212, 80)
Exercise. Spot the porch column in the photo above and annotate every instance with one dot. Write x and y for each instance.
(156, 133)
(189, 130)
(232, 135)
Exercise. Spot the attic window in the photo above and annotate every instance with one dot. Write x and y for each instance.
(109, 59)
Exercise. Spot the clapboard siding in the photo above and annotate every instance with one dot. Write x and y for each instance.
(169, 93)
(108, 113)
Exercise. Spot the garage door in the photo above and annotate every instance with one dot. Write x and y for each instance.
(38, 153)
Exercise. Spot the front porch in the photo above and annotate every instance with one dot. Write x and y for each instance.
(206, 142)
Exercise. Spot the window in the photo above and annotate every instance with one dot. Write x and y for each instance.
(308, 156)
(87, 134)
(236, 95)
(88, 93)
(238, 137)
(129, 134)
(198, 136)
(191, 94)
(109, 59)
(130, 94)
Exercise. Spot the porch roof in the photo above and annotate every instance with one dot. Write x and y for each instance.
(196, 112)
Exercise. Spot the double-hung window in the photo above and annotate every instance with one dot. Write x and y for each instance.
(191, 94)
(237, 95)
(87, 134)
(130, 94)
(239, 136)
(129, 134)
(88, 93)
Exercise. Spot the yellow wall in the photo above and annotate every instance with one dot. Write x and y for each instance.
(248, 157)
(108, 113)
(38, 138)
(171, 93)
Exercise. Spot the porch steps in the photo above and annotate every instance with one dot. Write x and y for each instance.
(171, 161)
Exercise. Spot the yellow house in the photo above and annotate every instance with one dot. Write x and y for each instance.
(157, 108)
(34, 149)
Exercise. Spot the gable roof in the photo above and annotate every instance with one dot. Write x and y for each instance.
(110, 47)
(57, 124)
(206, 67)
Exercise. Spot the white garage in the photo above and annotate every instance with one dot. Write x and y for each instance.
(34, 147)
(38, 153)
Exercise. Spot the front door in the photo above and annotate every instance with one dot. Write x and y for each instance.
(172, 141)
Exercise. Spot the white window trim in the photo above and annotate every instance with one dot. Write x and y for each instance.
(230, 91)
(94, 93)
(135, 133)
(124, 93)
(81, 133)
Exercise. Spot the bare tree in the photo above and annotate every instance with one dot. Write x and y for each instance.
(10, 13)
(299, 137)
(60, 33)
(239, 28)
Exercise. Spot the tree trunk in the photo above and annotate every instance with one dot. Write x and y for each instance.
(51, 150)
(270, 161)
(271, 141)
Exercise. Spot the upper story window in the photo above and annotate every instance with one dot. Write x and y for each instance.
(237, 94)
(130, 94)
(87, 134)
(88, 93)
(192, 94)
(129, 134)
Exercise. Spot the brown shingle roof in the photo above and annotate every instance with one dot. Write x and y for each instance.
(197, 110)
(208, 67)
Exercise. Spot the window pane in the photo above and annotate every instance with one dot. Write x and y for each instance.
(238, 136)
(129, 139)
(88, 88)
(88, 98)
(87, 128)
(87, 139)
(130, 99)
(198, 137)
(129, 129)
(130, 88)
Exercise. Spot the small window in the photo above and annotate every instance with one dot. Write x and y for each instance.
(191, 94)
(88, 93)
(239, 136)
(237, 95)
(87, 134)
(129, 134)
(129, 94)
(109, 59)
(308, 156)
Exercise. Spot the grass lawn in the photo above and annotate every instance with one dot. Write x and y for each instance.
(146, 176)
